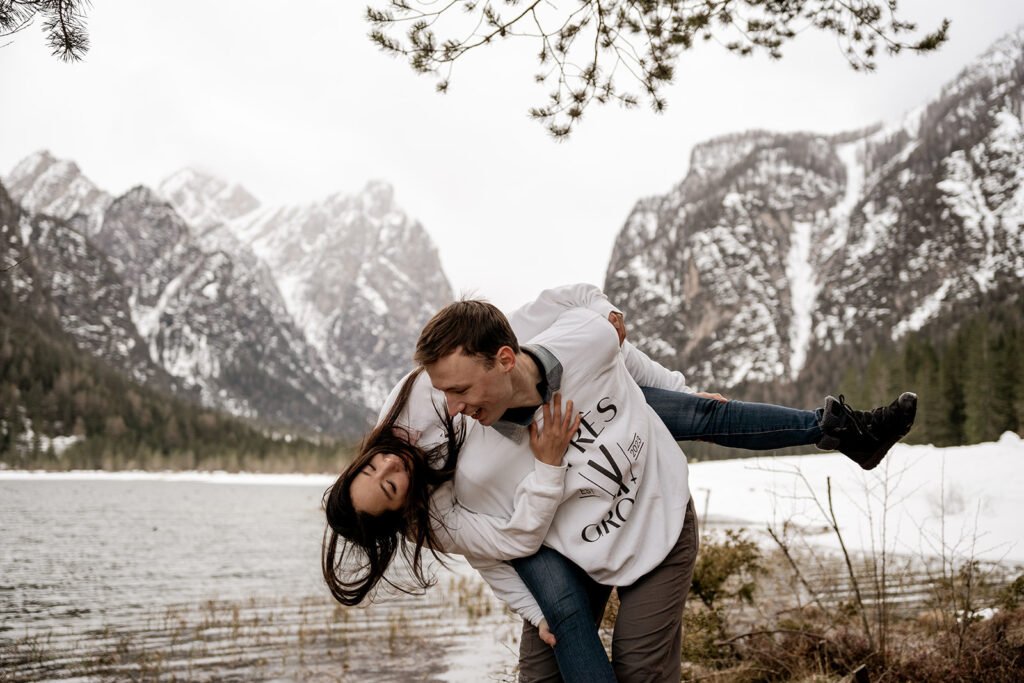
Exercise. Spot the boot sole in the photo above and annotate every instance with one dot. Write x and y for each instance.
(907, 403)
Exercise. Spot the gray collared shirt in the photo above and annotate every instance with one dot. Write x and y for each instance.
(551, 381)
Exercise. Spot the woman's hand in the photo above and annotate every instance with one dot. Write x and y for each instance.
(717, 397)
(550, 445)
(545, 633)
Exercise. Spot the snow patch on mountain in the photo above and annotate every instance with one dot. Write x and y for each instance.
(851, 154)
(925, 312)
(803, 293)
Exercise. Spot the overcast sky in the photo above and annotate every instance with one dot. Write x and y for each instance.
(293, 101)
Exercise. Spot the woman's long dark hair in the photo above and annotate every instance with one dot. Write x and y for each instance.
(359, 547)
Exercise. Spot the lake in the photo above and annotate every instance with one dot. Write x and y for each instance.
(107, 576)
(216, 576)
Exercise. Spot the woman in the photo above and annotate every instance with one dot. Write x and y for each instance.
(397, 495)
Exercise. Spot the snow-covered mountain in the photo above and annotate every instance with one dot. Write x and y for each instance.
(778, 248)
(91, 298)
(358, 276)
(180, 296)
(43, 184)
(204, 200)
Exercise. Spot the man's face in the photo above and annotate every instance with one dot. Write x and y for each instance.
(471, 387)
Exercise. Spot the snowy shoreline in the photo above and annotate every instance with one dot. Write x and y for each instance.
(963, 501)
(194, 476)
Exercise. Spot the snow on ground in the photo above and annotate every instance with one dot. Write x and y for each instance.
(922, 501)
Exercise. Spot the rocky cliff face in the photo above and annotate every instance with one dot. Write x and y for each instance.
(777, 248)
(90, 298)
(360, 278)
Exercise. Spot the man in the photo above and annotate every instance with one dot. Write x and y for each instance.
(626, 518)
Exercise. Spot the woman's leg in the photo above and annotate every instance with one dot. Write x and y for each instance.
(738, 424)
(572, 604)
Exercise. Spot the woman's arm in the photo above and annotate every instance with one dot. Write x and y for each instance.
(530, 320)
(533, 318)
(536, 499)
(649, 373)
(508, 587)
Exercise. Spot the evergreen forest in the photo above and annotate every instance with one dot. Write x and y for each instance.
(967, 368)
(969, 380)
(49, 388)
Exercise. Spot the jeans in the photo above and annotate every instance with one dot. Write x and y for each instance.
(646, 643)
(571, 601)
(573, 604)
(738, 424)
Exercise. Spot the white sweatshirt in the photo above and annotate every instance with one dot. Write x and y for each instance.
(621, 509)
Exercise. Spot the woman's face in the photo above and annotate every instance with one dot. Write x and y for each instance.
(381, 486)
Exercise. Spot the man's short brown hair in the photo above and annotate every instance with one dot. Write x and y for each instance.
(475, 326)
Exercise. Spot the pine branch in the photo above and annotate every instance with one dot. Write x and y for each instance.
(64, 24)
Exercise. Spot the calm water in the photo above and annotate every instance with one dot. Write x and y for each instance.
(180, 579)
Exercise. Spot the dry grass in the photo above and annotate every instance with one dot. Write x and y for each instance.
(310, 639)
(810, 628)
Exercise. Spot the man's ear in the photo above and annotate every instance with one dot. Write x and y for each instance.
(506, 358)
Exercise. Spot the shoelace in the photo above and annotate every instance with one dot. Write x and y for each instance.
(862, 428)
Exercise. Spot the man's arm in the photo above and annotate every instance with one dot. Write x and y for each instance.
(649, 373)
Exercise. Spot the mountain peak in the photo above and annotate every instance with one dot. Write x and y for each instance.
(377, 197)
(995, 64)
(142, 194)
(44, 184)
(32, 165)
(30, 169)
(778, 249)
(204, 199)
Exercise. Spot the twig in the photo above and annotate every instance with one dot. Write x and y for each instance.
(796, 569)
(849, 567)
(788, 631)
(16, 264)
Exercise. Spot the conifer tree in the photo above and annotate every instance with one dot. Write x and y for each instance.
(949, 398)
(1004, 384)
(978, 378)
(1015, 352)
(922, 363)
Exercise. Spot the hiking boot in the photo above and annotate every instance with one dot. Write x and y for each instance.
(865, 436)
